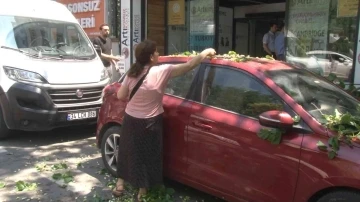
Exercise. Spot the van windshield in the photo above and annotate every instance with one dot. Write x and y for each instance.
(48, 38)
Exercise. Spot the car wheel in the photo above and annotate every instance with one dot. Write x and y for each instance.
(109, 148)
(4, 131)
(341, 196)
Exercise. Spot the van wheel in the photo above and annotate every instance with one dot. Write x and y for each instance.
(109, 148)
(4, 131)
(341, 196)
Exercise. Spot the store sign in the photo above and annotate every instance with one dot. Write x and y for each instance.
(90, 14)
(136, 29)
(202, 23)
(176, 12)
(307, 26)
(347, 8)
(125, 32)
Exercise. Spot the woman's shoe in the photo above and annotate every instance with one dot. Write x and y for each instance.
(118, 190)
(141, 194)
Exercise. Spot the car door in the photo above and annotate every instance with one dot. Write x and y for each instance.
(176, 116)
(224, 151)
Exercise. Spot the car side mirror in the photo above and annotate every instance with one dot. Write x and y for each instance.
(276, 119)
(98, 49)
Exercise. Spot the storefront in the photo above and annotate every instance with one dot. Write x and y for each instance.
(321, 34)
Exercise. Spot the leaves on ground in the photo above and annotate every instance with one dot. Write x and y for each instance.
(25, 186)
(42, 167)
(59, 166)
(67, 177)
(103, 171)
(2, 185)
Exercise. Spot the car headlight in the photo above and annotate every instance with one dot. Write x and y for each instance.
(104, 74)
(23, 75)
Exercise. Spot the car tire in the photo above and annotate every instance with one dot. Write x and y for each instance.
(109, 148)
(4, 131)
(341, 196)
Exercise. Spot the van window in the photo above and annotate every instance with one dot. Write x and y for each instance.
(48, 37)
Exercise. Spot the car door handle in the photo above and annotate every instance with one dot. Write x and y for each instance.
(202, 125)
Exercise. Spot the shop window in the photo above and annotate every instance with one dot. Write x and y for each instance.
(114, 17)
(324, 25)
(191, 25)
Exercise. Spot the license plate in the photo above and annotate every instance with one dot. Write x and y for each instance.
(81, 115)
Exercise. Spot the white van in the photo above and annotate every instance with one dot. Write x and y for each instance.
(50, 73)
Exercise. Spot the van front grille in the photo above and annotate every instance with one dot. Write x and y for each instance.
(75, 96)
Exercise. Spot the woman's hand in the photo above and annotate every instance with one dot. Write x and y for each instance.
(181, 69)
(210, 52)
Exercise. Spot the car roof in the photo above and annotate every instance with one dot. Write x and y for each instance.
(43, 9)
(258, 64)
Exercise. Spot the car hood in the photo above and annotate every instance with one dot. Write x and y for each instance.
(57, 71)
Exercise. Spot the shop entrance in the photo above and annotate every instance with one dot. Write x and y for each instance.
(248, 34)
(251, 20)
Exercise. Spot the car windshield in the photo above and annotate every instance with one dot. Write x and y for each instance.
(48, 38)
(315, 94)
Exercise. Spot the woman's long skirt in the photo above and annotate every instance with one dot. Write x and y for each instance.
(140, 159)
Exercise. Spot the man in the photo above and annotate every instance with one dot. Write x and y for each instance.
(280, 43)
(269, 40)
(106, 49)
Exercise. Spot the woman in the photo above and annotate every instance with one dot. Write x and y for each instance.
(140, 144)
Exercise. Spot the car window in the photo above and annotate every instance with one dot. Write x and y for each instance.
(180, 86)
(238, 92)
(337, 58)
(320, 56)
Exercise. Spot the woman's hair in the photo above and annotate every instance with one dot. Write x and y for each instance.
(143, 52)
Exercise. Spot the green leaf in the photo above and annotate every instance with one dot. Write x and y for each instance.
(277, 137)
(103, 171)
(332, 77)
(334, 142)
(57, 176)
(341, 84)
(23, 186)
(20, 185)
(170, 191)
(68, 179)
(337, 114)
(346, 118)
(264, 134)
(351, 88)
(296, 119)
(31, 186)
(321, 146)
(2, 185)
(332, 154)
(59, 166)
(272, 135)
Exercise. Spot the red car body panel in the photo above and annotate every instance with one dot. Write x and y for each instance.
(219, 152)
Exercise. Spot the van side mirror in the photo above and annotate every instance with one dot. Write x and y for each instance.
(98, 49)
(276, 119)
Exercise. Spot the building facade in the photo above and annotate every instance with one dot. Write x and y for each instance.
(322, 35)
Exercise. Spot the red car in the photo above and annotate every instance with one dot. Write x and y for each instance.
(212, 118)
